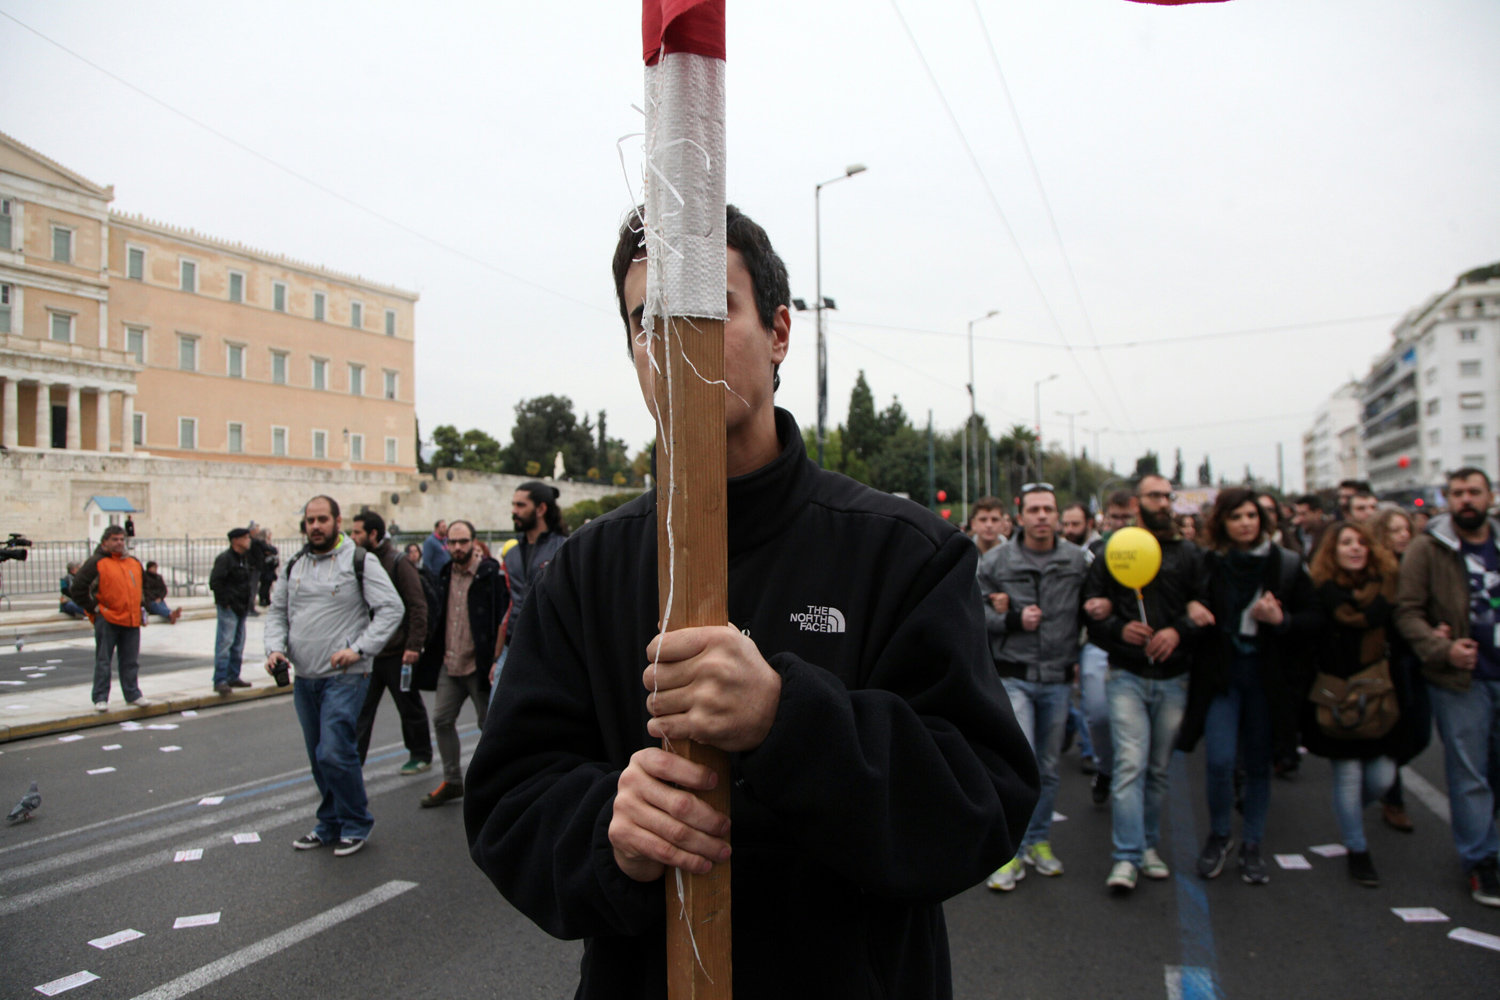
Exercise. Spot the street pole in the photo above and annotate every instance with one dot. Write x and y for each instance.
(973, 428)
(1036, 447)
(1072, 451)
(931, 466)
(849, 171)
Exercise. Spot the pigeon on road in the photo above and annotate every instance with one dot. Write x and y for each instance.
(28, 805)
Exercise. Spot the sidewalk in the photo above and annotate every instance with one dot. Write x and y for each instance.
(69, 707)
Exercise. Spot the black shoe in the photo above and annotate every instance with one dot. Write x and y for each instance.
(1099, 788)
(1362, 869)
(223, 688)
(239, 683)
(1253, 869)
(1087, 765)
(1484, 883)
(446, 792)
(1213, 856)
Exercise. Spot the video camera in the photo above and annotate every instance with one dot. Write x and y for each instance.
(15, 548)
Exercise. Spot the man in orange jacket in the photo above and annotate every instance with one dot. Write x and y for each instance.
(108, 587)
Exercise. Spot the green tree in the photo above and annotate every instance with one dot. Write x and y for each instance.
(861, 435)
(447, 447)
(1148, 464)
(545, 426)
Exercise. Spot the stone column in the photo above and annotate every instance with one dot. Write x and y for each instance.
(101, 421)
(127, 423)
(11, 412)
(75, 418)
(44, 414)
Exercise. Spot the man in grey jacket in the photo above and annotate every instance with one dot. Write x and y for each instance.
(330, 614)
(1031, 588)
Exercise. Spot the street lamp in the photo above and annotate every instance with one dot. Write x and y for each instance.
(1072, 451)
(973, 428)
(821, 303)
(1037, 444)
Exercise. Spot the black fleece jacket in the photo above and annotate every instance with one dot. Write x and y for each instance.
(1166, 598)
(894, 775)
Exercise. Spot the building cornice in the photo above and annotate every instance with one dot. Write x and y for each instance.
(82, 182)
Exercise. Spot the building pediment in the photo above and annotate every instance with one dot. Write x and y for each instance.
(18, 158)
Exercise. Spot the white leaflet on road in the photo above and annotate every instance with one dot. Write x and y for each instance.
(1329, 850)
(210, 800)
(1058, 817)
(189, 713)
(16, 708)
(200, 920)
(74, 738)
(1480, 938)
(174, 747)
(247, 838)
(131, 727)
(162, 725)
(192, 854)
(54, 661)
(14, 683)
(41, 669)
(101, 770)
(1293, 862)
(66, 983)
(110, 746)
(1419, 914)
(119, 937)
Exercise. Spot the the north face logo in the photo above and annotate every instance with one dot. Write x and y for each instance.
(818, 618)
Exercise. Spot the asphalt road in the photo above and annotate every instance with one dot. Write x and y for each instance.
(411, 917)
(58, 665)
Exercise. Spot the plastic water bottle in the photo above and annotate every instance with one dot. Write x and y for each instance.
(406, 676)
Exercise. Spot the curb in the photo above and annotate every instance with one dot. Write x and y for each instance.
(44, 630)
(166, 706)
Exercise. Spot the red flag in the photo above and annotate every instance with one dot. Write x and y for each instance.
(695, 26)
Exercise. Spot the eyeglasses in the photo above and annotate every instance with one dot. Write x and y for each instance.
(459, 541)
(1159, 496)
(1037, 488)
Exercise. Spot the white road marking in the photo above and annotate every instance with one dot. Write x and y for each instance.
(1426, 794)
(266, 947)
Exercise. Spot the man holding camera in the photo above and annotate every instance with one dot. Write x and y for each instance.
(330, 614)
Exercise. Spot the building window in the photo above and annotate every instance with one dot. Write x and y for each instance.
(278, 296)
(235, 358)
(5, 294)
(320, 306)
(356, 380)
(1437, 468)
(135, 263)
(320, 444)
(189, 276)
(1473, 432)
(278, 367)
(356, 315)
(1471, 401)
(1435, 437)
(1468, 335)
(135, 344)
(390, 451)
(138, 428)
(6, 208)
(62, 328)
(187, 433)
(1430, 376)
(390, 322)
(319, 373)
(187, 353)
(1477, 461)
(236, 438)
(278, 442)
(62, 245)
(1468, 369)
(236, 287)
(1432, 407)
(356, 447)
(390, 385)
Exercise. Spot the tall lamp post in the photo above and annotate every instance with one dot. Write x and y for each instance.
(1036, 446)
(1072, 451)
(821, 304)
(973, 427)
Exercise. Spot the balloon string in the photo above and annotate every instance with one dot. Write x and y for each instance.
(1140, 600)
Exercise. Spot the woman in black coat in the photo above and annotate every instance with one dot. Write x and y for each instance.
(1356, 588)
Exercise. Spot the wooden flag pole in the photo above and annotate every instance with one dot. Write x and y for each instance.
(693, 572)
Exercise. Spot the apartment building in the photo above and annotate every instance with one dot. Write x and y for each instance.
(1332, 449)
(131, 335)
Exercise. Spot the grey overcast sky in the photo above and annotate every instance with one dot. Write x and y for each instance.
(1307, 170)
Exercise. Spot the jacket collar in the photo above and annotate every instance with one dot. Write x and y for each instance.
(1441, 528)
(762, 503)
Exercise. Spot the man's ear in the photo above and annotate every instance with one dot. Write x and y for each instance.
(781, 333)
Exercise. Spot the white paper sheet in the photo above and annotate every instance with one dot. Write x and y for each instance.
(66, 983)
(247, 838)
(189, 713)
(1329, 850)
(1419, 914)
(110, 746)
(171, 749)
(192, 854)
(16, 707)
(1293, 862)
(131, 727)
(14, 683)
(101, 770)
(54, 661)
(119, 937)
(210, 800)
(1058, 817)
(1480, 938)
(72, 738)
(162, 725)
(199, 920)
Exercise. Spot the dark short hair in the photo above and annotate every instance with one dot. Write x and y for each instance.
(1119, 498)
(110, 532)
(1311, 500)
(1225, 504)
(333, 506)
(987, 503)
(466, 524)
(373, 522)
(1088, 515)
(438, 522)
(768, 277)
(151, 564)
(541, 493)
(1467, 472)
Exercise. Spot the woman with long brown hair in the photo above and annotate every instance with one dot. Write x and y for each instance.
(1355, 577)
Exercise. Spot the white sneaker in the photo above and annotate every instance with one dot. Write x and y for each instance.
(101, 706)
(141, 702)
(1152, 866)
(1040, 857)
(1006, 876)
(1121, 876)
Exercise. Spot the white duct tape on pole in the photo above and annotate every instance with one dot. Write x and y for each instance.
(684, 188)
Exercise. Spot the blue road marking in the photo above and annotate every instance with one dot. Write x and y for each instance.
(1200, 976)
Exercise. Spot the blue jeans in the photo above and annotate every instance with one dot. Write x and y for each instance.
(159, 608)
(1240, 718)
(1093, 668)
(1469, 726)
(108, 639)
(229, 645)
(1143, 719)
(67, 607)
(1357, 783)
(328, 708)
(1042, 711)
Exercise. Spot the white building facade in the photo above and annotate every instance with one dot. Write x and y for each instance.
(1333, 448)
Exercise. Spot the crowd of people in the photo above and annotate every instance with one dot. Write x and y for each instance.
(1270, 630)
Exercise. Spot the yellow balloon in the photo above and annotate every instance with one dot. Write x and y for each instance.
(1133, 557)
